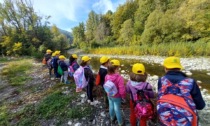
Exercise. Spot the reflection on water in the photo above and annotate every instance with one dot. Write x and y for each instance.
(152, 69)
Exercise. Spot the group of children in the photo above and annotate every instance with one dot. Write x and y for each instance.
(178, 95)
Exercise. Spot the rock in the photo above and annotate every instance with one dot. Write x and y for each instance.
(78, 124)
(69, 123)
(94, 122)
(82, 95)
(208, 74)
(103, 114)
(199, 82)
(122, 71)
(189, 73)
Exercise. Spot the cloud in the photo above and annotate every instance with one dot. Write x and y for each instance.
(102, 6)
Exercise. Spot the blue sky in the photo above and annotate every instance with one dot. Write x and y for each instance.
(67, 14)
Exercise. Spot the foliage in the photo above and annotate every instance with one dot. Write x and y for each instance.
(183, 49)
(16, 71)
(151, 23)
(22, 31)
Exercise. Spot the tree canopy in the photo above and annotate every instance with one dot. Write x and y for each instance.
(140, 22)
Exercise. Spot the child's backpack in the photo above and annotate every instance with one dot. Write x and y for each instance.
(175, 105)
(98, 79)
(143, 107)
(60, 71)
(49, 64)
(71, 70)
(44, 61)
(79, 78)
(110, 88)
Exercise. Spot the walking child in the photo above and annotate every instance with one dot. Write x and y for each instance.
(88, 76)
(102, 73)
(138, 83)
(114, 86)
(73, 65)
(178, 96)
(55, 64)
(64, 67)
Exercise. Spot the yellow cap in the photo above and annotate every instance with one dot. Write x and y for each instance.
(138, 68)
(53, 54)
(74, 56)
(57, 52)
(85, 58)
(172, 62)
(62, 57)
(48, 51)
(115, 62)
(103, 59)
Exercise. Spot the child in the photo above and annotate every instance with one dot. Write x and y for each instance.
(115, 101)
(89, 77)
(55, 64)
(73, 65)
(178, 96)
(137, 82)
(64, 67)
(102, 73)
(49, 64)
(47, 56)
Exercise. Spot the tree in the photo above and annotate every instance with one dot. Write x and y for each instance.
(126, 33)
(78, 34)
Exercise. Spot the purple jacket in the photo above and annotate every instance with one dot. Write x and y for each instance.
(133, 86)
(119, 83)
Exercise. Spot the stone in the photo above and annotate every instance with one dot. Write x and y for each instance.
(189, 73)
(78, 124)
(208, 74)
(82, 95)
(103, 114)
(69, 123)
(199, 82)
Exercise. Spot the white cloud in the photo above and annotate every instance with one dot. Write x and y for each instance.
(102, 6)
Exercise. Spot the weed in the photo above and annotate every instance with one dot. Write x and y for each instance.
(16, 72)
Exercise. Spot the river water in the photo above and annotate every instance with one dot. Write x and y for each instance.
(152, 69)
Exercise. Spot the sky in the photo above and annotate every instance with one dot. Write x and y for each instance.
(66, 14)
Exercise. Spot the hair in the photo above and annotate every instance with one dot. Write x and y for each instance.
(83, 63)
(138, 77)
(173, 69)
(71, 59)
(111, 69)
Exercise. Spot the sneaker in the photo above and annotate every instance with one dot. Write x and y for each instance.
(113, 120)
(88, 101)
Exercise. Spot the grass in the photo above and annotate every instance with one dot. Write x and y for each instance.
(3, 115)
(54, 106)
(184, 49)
(16, 71)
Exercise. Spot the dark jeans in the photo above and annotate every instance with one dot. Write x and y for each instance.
(90, 92)
(56, 72)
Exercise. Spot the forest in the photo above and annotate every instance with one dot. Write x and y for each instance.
(150, 26)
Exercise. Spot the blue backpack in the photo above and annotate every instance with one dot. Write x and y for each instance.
(175, 105)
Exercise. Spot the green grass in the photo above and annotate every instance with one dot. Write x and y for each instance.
(4, 121)
(184, 49)
(16, 71)
(54, 106)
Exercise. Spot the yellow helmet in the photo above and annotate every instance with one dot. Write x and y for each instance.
(48, 51)
(85, 58)
(172, 62)
(57, 52)
(138, 68)
(74, 56)
(53, 54)
(62, 57)
(115, 62)
(103, 59)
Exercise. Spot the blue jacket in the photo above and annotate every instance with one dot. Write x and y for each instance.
(177, 76)
(75, 65)
(63, 65)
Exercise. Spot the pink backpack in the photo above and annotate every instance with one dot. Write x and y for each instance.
(79, 78)
(110, 88)
(143, 105)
